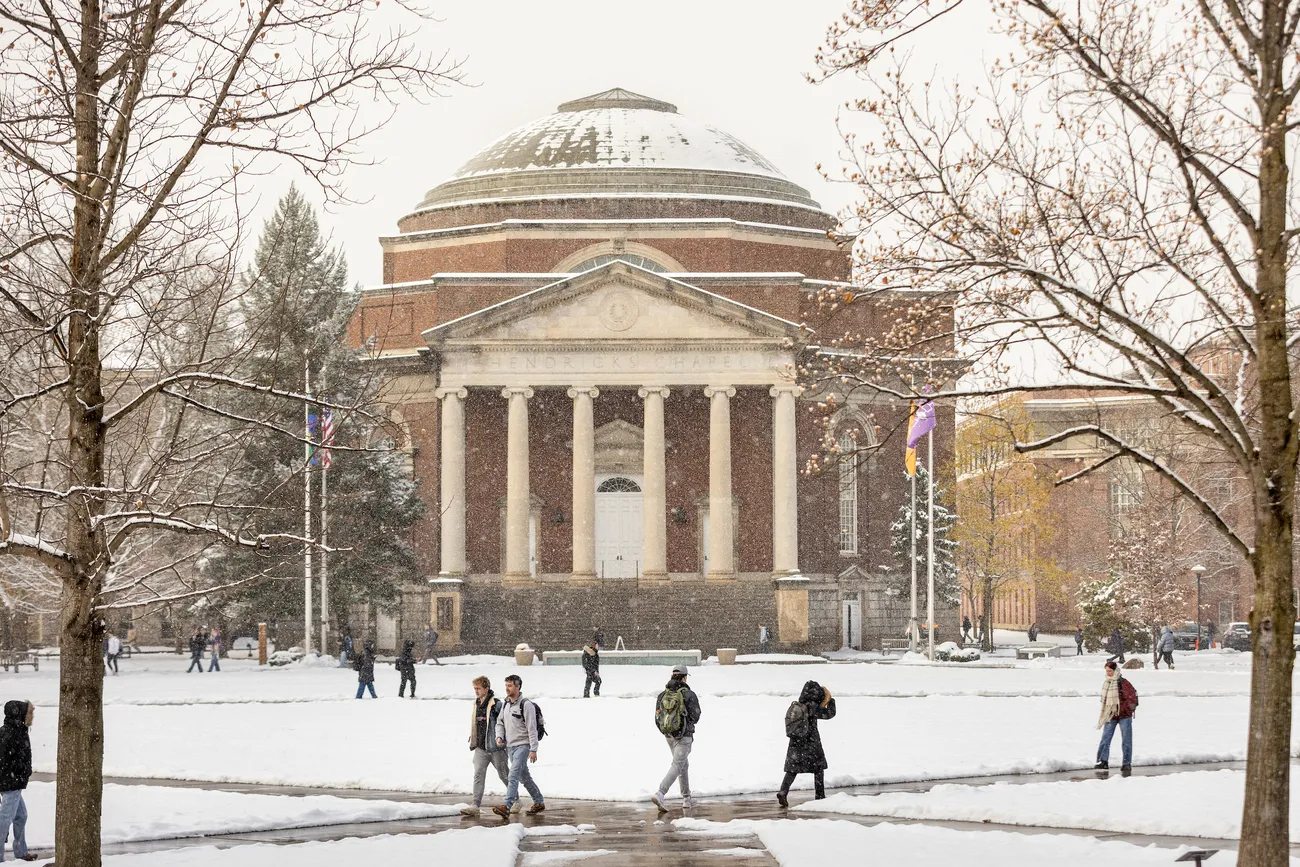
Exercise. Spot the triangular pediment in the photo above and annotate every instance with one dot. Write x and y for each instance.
(616, 302)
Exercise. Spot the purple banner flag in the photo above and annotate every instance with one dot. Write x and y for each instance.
(922, 425)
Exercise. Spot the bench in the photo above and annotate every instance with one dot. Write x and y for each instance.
(1038, 650)
(888, 645)
(625, 657)
(18, 658)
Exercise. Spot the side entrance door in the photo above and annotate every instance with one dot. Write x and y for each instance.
(619, 527)
(851, 623)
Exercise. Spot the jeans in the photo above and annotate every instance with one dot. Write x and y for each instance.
(593, 678)
(401, 689)
(1119, 657)
(343, 659)
(195, 660)
(215, 664)
(1126, 733)
(497, 759)
(819, 784)
(13, 811)
(110, 662)
(361, 688)
(679, 770)
(519, 774)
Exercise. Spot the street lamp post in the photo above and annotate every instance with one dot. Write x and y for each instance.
(1199, 571)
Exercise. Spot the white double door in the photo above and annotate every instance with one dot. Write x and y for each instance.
(620, 531)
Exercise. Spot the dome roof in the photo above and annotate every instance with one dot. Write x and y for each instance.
(616, 143)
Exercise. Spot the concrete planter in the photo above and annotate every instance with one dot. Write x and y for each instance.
(524, 657)
(726, 656)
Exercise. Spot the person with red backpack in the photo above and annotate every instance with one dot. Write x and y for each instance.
(677, 710)
(1119, 700)
(805, 755)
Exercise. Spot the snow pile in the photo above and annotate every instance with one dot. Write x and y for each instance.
(135, 813)
(950, 652)
(315, 660)
(913, 658)
(480, 847)
(1193, 804)
(817, 842)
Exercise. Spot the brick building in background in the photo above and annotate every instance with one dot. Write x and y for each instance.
(591, 331)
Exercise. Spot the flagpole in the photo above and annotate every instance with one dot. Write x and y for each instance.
(929, 547)
(324, 559)
(306, 507)
(912, 634)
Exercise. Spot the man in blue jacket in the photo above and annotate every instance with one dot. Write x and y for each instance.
(15, 771)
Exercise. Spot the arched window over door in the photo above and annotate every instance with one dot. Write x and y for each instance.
(618, 485)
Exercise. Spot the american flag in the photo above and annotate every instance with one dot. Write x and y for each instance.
(326, 438)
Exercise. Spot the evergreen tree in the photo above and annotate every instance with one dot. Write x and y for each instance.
(295, 309)
(946, 590)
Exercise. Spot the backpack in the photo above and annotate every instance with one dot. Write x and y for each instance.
(797, 724)
(541, 723)
(670, 712)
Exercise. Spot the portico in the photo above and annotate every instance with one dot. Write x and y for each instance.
(617, 330)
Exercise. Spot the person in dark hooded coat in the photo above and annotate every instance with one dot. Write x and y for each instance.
(805, 755)
(15, 770)
(405, 666)
(364, 666)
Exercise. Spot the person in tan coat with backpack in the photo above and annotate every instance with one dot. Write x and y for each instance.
(805, 755)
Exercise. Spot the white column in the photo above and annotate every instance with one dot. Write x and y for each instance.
(517, 500)
(785, 479)
(655, 499)
(451, 470)
(584, 482)
(721, 532)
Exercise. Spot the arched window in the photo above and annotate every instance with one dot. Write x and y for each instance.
(618, 485)
(848, 495)
(605, 258)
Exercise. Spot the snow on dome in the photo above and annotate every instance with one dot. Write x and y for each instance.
(616, 143)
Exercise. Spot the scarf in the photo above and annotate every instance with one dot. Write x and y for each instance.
(1109, 698)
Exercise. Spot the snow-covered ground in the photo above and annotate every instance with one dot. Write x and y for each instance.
(300, 725)
(816, 842)
(1193, 804)
(134, 813)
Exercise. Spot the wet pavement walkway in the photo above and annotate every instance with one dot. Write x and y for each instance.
(630, 834)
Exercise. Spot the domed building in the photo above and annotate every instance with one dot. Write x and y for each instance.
(591, 331)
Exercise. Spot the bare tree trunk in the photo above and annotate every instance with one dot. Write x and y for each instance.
(79, 796)
(986, 640)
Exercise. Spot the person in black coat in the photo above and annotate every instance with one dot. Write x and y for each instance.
(197, 645)
(591, 665)
(15, 770)
(405, 665)
(805, 755)
(364, 666)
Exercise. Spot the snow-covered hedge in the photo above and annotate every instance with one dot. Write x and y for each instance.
(950, 652)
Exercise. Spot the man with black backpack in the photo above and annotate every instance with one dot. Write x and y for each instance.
(677, 710)
(519, 728)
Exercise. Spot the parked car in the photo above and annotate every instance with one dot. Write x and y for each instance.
(246, 648)
(1237, 637)
(1185, 636)
(1295, 643)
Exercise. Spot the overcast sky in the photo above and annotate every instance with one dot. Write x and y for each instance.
(738, 66)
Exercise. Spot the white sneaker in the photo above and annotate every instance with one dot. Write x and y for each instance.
(471, 811)
(658, 801)
(517, 808)
(688, 802)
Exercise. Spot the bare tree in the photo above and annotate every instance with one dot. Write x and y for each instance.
(1117, 200)
(127, 131)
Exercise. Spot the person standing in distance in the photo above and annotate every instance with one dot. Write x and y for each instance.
(591, 665)
(15, 770)
(677, 710)
(517, 732)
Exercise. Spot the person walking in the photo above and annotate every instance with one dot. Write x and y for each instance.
(405, 666)
(597, 637)
(1119, 701)
(364, 666)
(214, 641)
(430, 643)
(1115, 644)
(518, 732)
(1211, 630)
(1033, 632)
(677, 710)
(805, 755)
(197, 643)
(1165, 648)
(15, 771)
(1078, 641)
(345, 647)
(764, 640)
(965, 629)
(483, 742)
(112, 650)
(591, 665)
